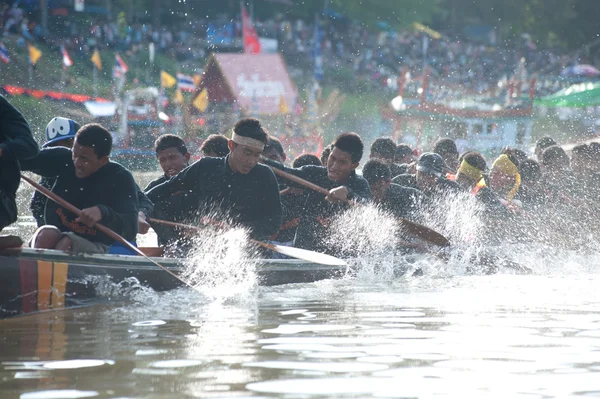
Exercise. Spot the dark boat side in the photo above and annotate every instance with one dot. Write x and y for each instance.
(39, 280)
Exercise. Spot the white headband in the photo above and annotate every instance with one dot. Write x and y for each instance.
(248, 142)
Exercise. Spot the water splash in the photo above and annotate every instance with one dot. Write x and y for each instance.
(222, 264)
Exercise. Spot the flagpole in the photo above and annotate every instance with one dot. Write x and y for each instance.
(95, 75)
(30, 74)
(63, 83)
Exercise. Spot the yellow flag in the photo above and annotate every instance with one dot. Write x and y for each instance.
(34, 54)
(96, 59)
(283, 107)
(167, 80)
(425, 29)
(178, 97)
(201, 100)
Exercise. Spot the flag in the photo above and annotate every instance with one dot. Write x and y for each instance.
(117, 72)
(96, 59)
(4, 54)
(167, 80)
(201, 101)
(120, 63)
(283, 107)
(251, 42)
(317, 58)
(66, 59)
(34, 54)
(185, 82)
(178, 97)
(427, 30)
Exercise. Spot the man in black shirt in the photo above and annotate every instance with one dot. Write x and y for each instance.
(340, 178)
(215, 145)
(402, 202)
(16, 144)
(384, 149)
(103, 190)
(173, 157)
(60, 132)
(236, 187)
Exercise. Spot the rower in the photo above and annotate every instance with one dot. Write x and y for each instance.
(292, 202)
(470, 177)
(446, 148)
(237, 187)
(274, 150)
(402, 202)
(173, 157)
(541, 145)
(340, 178)
(60, 132)
(16, 144)
(384, 149)
(505, 181)
(405, 159)
(430, 177)
(105, 192)
(325, 154)
(215, 146)
(530, 193)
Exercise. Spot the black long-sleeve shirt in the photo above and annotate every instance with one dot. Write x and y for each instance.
(173, 209)
(402, 202)
(111, 188)
(312, 230)
(210, 185)
(38, 201)
(16, 141)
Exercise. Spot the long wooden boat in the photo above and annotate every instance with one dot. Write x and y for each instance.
(34, 280)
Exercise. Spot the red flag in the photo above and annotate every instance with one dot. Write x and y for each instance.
(251, 43)
(66, 59)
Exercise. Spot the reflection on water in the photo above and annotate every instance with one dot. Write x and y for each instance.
(459, 336)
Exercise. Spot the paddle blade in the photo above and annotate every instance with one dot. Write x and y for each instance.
(424, 233)
(304, 254)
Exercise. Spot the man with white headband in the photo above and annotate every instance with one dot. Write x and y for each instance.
(235, 187)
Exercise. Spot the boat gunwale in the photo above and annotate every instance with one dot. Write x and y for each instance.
(138, 262)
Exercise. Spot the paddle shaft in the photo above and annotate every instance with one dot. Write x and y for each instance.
(196, 228)
(71, 208)
(418, 230)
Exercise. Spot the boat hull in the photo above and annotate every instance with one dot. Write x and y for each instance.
(40, 280)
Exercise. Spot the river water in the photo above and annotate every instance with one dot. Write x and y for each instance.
(443, 334)
(446, 333)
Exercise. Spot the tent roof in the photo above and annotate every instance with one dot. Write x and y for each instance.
(577, 95)
(257, 82)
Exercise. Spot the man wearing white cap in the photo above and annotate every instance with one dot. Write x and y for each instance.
(235, 187)
(60, 132)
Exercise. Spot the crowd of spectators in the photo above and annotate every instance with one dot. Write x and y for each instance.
(376, 56)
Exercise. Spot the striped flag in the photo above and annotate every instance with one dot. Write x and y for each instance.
(117, 72)
(185, 82)
(65, 56)
(121, 64)
(4, 54)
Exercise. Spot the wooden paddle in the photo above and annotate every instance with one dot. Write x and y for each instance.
(417, 230)
(298, 253)
(102, 228)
